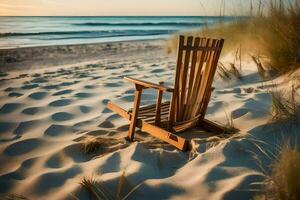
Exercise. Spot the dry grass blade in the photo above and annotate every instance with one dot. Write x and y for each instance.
(229, 127)
(261, 70)
(97, 190)
(223, 72)
(283, 183)
(235, 71)
(285, 106)
(228, 74)
(94, 144)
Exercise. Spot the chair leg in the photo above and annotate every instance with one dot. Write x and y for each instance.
(133, 120)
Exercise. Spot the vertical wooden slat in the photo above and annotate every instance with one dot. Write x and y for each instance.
(183, 78)
(174, 98)
(158, 108)
(191, 78)
(137, 99)
(198, 78)
(210, 81)
(207, 76)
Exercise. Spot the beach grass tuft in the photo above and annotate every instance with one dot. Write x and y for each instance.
(96, 189)
(99, 191)
(92, 145)
(285, 107)
(283, 182)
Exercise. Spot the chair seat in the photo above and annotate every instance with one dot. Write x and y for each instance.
(147, 113)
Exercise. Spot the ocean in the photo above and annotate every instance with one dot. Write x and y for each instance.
(39, 31)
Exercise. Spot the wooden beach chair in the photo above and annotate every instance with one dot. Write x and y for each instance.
(197, 61)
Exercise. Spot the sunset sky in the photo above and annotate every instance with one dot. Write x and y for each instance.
(119, 7)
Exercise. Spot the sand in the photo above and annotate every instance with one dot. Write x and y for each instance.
(50, 103)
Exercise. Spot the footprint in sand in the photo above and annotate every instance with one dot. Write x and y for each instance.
(10, 89)
(106, 124)
(50, 87)
(131, 91)
(85, 109)
(157, 70)
(31, 110)
(15, 94)
(84, 95)
(63, 92)
(56, 161)
(69, 83)
(25, 127)
(239, 113)
(29, 86)
(7, 127)
(96, 77)
(22, 147)
(90, 87)
(61, 102)
(10, 107)
(39, 80)
(105, 101)
(62, 116)
(38, 95)
(58, 130)
(51, 180)
(113, 84)
(36, 75)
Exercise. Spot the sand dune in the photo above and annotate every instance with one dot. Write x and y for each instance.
(47, 112)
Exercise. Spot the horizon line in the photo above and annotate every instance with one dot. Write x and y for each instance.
(123, 16)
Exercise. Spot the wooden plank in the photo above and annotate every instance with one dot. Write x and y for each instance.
(147, 84)
(120, 111)
(209, 80)
(166, 136)
(204, 82)
(174, 98)
(198, 78)
(137, 99)
(191, 79)
(158, 108)
(183, 78)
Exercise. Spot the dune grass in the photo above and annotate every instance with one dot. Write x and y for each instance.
(92, 145)
(99, 191)
(274, 34)
(285, 106)
(283, 182)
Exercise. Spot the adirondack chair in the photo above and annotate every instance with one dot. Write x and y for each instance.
(197, 61)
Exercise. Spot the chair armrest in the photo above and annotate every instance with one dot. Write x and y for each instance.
(147, 84)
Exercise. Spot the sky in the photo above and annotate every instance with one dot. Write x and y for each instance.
(120, 7)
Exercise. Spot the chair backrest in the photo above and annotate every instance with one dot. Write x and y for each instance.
(197, 61)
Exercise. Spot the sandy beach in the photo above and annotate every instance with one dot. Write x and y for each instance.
(53, 99)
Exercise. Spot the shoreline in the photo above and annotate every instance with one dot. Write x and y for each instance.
(79, 44)
(57, 55)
